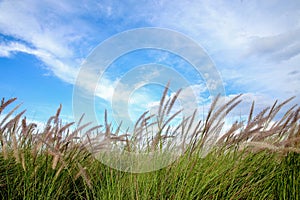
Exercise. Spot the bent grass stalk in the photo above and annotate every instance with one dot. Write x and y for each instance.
(259, 159)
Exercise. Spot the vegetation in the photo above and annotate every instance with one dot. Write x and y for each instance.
(259, 159)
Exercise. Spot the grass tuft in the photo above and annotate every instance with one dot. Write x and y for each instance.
(259, 159)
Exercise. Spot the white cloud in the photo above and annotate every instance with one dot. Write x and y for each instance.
(46, 30)
(276, 47)
(58, 67)
(254, 44)
(7, 49)
(29, 25)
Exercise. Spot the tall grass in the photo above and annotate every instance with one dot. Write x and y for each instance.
(258, 159)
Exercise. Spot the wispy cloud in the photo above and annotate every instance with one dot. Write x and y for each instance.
(280, 47)
(46, 30)
(254, 44)
(58, 67)
(250, 42)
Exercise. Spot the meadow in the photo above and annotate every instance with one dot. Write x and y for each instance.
(254, 159)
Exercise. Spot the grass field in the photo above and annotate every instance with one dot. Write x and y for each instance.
(256, 159)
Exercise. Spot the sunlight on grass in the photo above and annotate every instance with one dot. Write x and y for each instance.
(256, 160)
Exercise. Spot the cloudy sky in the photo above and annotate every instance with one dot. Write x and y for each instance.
(255, 46)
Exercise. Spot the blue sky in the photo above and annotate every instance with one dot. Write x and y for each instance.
(255, 46)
